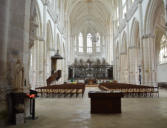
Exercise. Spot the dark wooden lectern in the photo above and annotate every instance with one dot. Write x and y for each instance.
(105, 102)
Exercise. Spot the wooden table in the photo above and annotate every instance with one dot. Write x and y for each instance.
(105, 102)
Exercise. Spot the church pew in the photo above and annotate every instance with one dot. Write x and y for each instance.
(131, 90)
(63, 89)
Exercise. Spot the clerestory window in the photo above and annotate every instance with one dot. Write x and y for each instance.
(89, 43)
(80, 38)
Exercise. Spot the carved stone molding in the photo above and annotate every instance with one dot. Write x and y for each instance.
(33, 25)
(132, 10)
(56, 18)
(122, 25)
(128, 16)
(40, 38)
(33, 28)
(45, 2)
(123, 53)
(149, 35)
(132, 47)
(53, 15)
(61, 29)
(116, 36)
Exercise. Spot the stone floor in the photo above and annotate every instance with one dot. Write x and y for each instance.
(75, 113)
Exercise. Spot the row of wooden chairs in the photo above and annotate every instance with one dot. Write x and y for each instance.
(130, 90)
(61, 90)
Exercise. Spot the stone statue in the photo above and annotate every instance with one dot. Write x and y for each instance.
(19, 76)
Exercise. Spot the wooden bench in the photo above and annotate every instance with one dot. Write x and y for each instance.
(131, 90)
(63, 89)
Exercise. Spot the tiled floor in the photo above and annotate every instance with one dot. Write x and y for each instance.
(75, 113)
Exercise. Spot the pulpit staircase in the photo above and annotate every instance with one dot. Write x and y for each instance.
(54, 77)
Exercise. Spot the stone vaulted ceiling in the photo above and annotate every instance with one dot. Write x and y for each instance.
(92, 15)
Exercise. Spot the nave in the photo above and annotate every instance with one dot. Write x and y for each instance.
(75, 113)
(47, 43)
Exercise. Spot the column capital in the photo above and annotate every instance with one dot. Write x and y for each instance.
(149, 35)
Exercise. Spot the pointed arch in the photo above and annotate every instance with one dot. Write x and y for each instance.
(49, 36)
(35, 16)
(153, 24)
(134, 40)
(150, 15)
(134, 53)
(36, 29)
(124, 60)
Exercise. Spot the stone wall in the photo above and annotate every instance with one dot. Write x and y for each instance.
(14, 39)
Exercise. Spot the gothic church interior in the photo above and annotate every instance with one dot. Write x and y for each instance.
(60, 50)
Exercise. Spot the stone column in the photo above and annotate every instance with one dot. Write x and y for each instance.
(77, 43)
(14, 37)
(114, 60)
(141, 31)
(149, 59)
(117, 68)
(71, 47)
(165, 6)
(135, 65)
(46, 65)
(41, 63)
(4, 31)
(132, 65)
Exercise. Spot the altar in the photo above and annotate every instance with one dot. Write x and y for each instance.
(105, 102)
(90, 71)
(90, 81)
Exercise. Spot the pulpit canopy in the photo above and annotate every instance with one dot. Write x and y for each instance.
(57, 56)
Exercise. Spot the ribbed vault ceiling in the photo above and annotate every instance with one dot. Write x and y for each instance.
(92, 15)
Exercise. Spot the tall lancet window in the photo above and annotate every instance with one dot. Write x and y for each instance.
(75, 44)
(89, 43)
(98, 43)
(80, 38)
(123, 8)
(163, 50)
(117, 17)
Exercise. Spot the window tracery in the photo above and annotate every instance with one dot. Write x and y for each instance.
(89, 43)
(80, 38)
(98, 43)
(123, 8)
